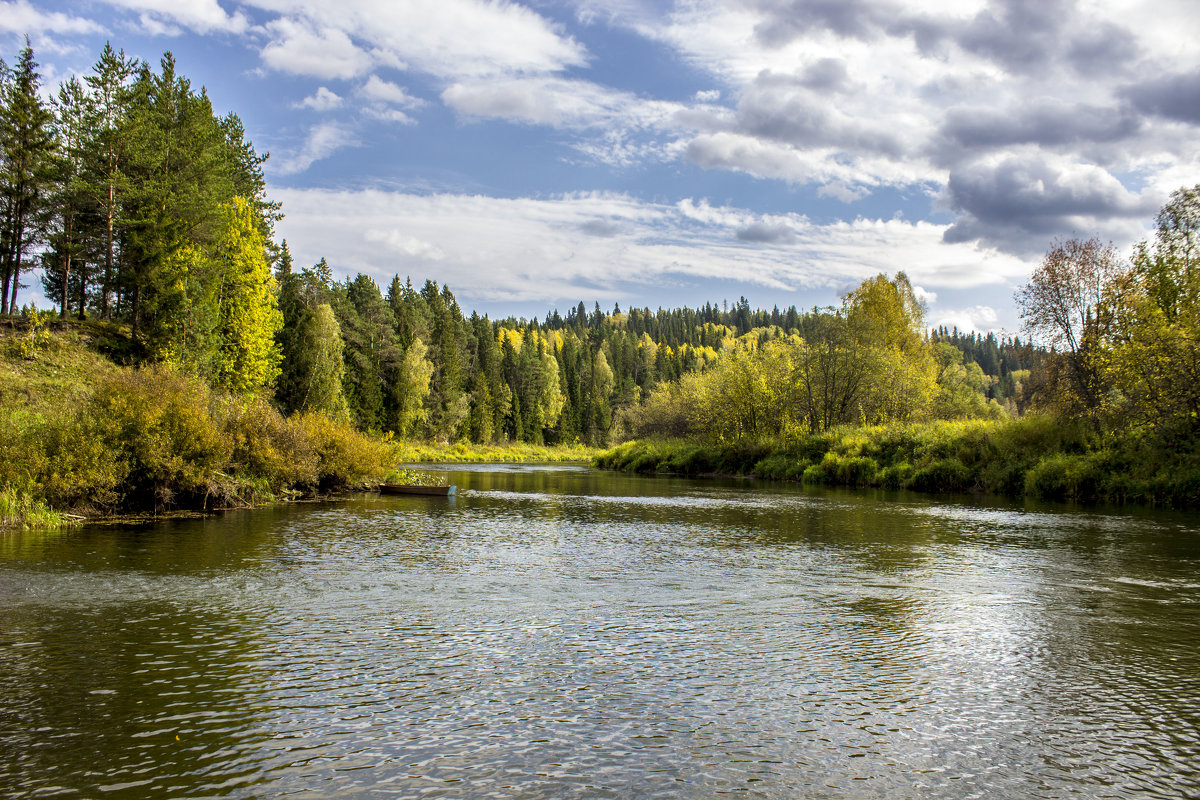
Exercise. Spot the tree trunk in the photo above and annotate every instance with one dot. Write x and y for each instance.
(82, 300)
(66, 275)
(108, 254)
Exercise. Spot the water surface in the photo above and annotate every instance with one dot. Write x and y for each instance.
(557, 632)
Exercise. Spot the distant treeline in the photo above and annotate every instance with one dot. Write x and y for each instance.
(410, 362)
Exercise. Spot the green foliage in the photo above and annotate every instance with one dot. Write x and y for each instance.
(942, 475)
(27, 164)
(269, 453)
(158, 423)
(460, 452)
(248, 317)
(1038, 456)
(1061, 476)
(1129, 336)
(160, 437)
(19, 510)
(415, 477)
(37, 338)
(345, 458)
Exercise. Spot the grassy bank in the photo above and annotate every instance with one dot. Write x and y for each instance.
(83, 436)
(1038, 457)
(515, 452)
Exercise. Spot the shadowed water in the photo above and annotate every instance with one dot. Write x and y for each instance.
(558, 632)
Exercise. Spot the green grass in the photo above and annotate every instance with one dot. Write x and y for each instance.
(1037, 456)
(18, 510)
(461, 453)
(62, 370)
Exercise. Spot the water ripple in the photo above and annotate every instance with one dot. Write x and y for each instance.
(551, 636)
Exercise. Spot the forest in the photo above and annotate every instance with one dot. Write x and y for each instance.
(145, 216)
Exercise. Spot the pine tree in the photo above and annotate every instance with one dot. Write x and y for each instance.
(107, 152)
(63, 263)
(27, 148)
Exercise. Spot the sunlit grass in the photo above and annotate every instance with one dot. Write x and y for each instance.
(516, 452)
(18, 510)
(1035, 456)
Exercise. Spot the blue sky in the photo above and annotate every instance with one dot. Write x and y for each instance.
(667, 153)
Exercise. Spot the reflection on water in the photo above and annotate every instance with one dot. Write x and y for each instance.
(558, 632)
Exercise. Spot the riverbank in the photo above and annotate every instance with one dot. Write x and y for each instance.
(511, 453)
(1037, 456)
(83, 438)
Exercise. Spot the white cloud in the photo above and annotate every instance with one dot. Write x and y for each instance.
(974, 318)
(302, 49)
(383, 97)
(522, 249)
(201, 16)
(389, 115)
(449, 39)
(323, 141)
(21, 17)
(322, 100)
(619, 128)
(558, 102)
(404, 244)
(382, 91)
(857, 95)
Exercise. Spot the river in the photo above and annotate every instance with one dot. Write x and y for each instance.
(558, 632)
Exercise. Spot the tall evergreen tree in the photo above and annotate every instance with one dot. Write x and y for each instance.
(107, 151)
(27, 148)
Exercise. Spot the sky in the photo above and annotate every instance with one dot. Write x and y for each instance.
(652, 153)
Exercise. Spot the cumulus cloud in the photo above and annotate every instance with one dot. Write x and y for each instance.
(766, 233)
(1018, 203)
(1048, 122)
(853, 95)
(383, 91)
(21, 17)
(1020, 36)
(787, 110)
(448, 39)
(302, 49)
(322, 100)
(201, 16)
(386, 99)
(1174, 97)
(531, 250)
(974, 318)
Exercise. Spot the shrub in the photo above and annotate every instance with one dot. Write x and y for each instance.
(159, 422)
(896, 476)
(816, 474)
(345, 458)
(19, 510)
(943, 475)
(780, 467)
(856, 471)
(268, 451)
(1061, 476)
